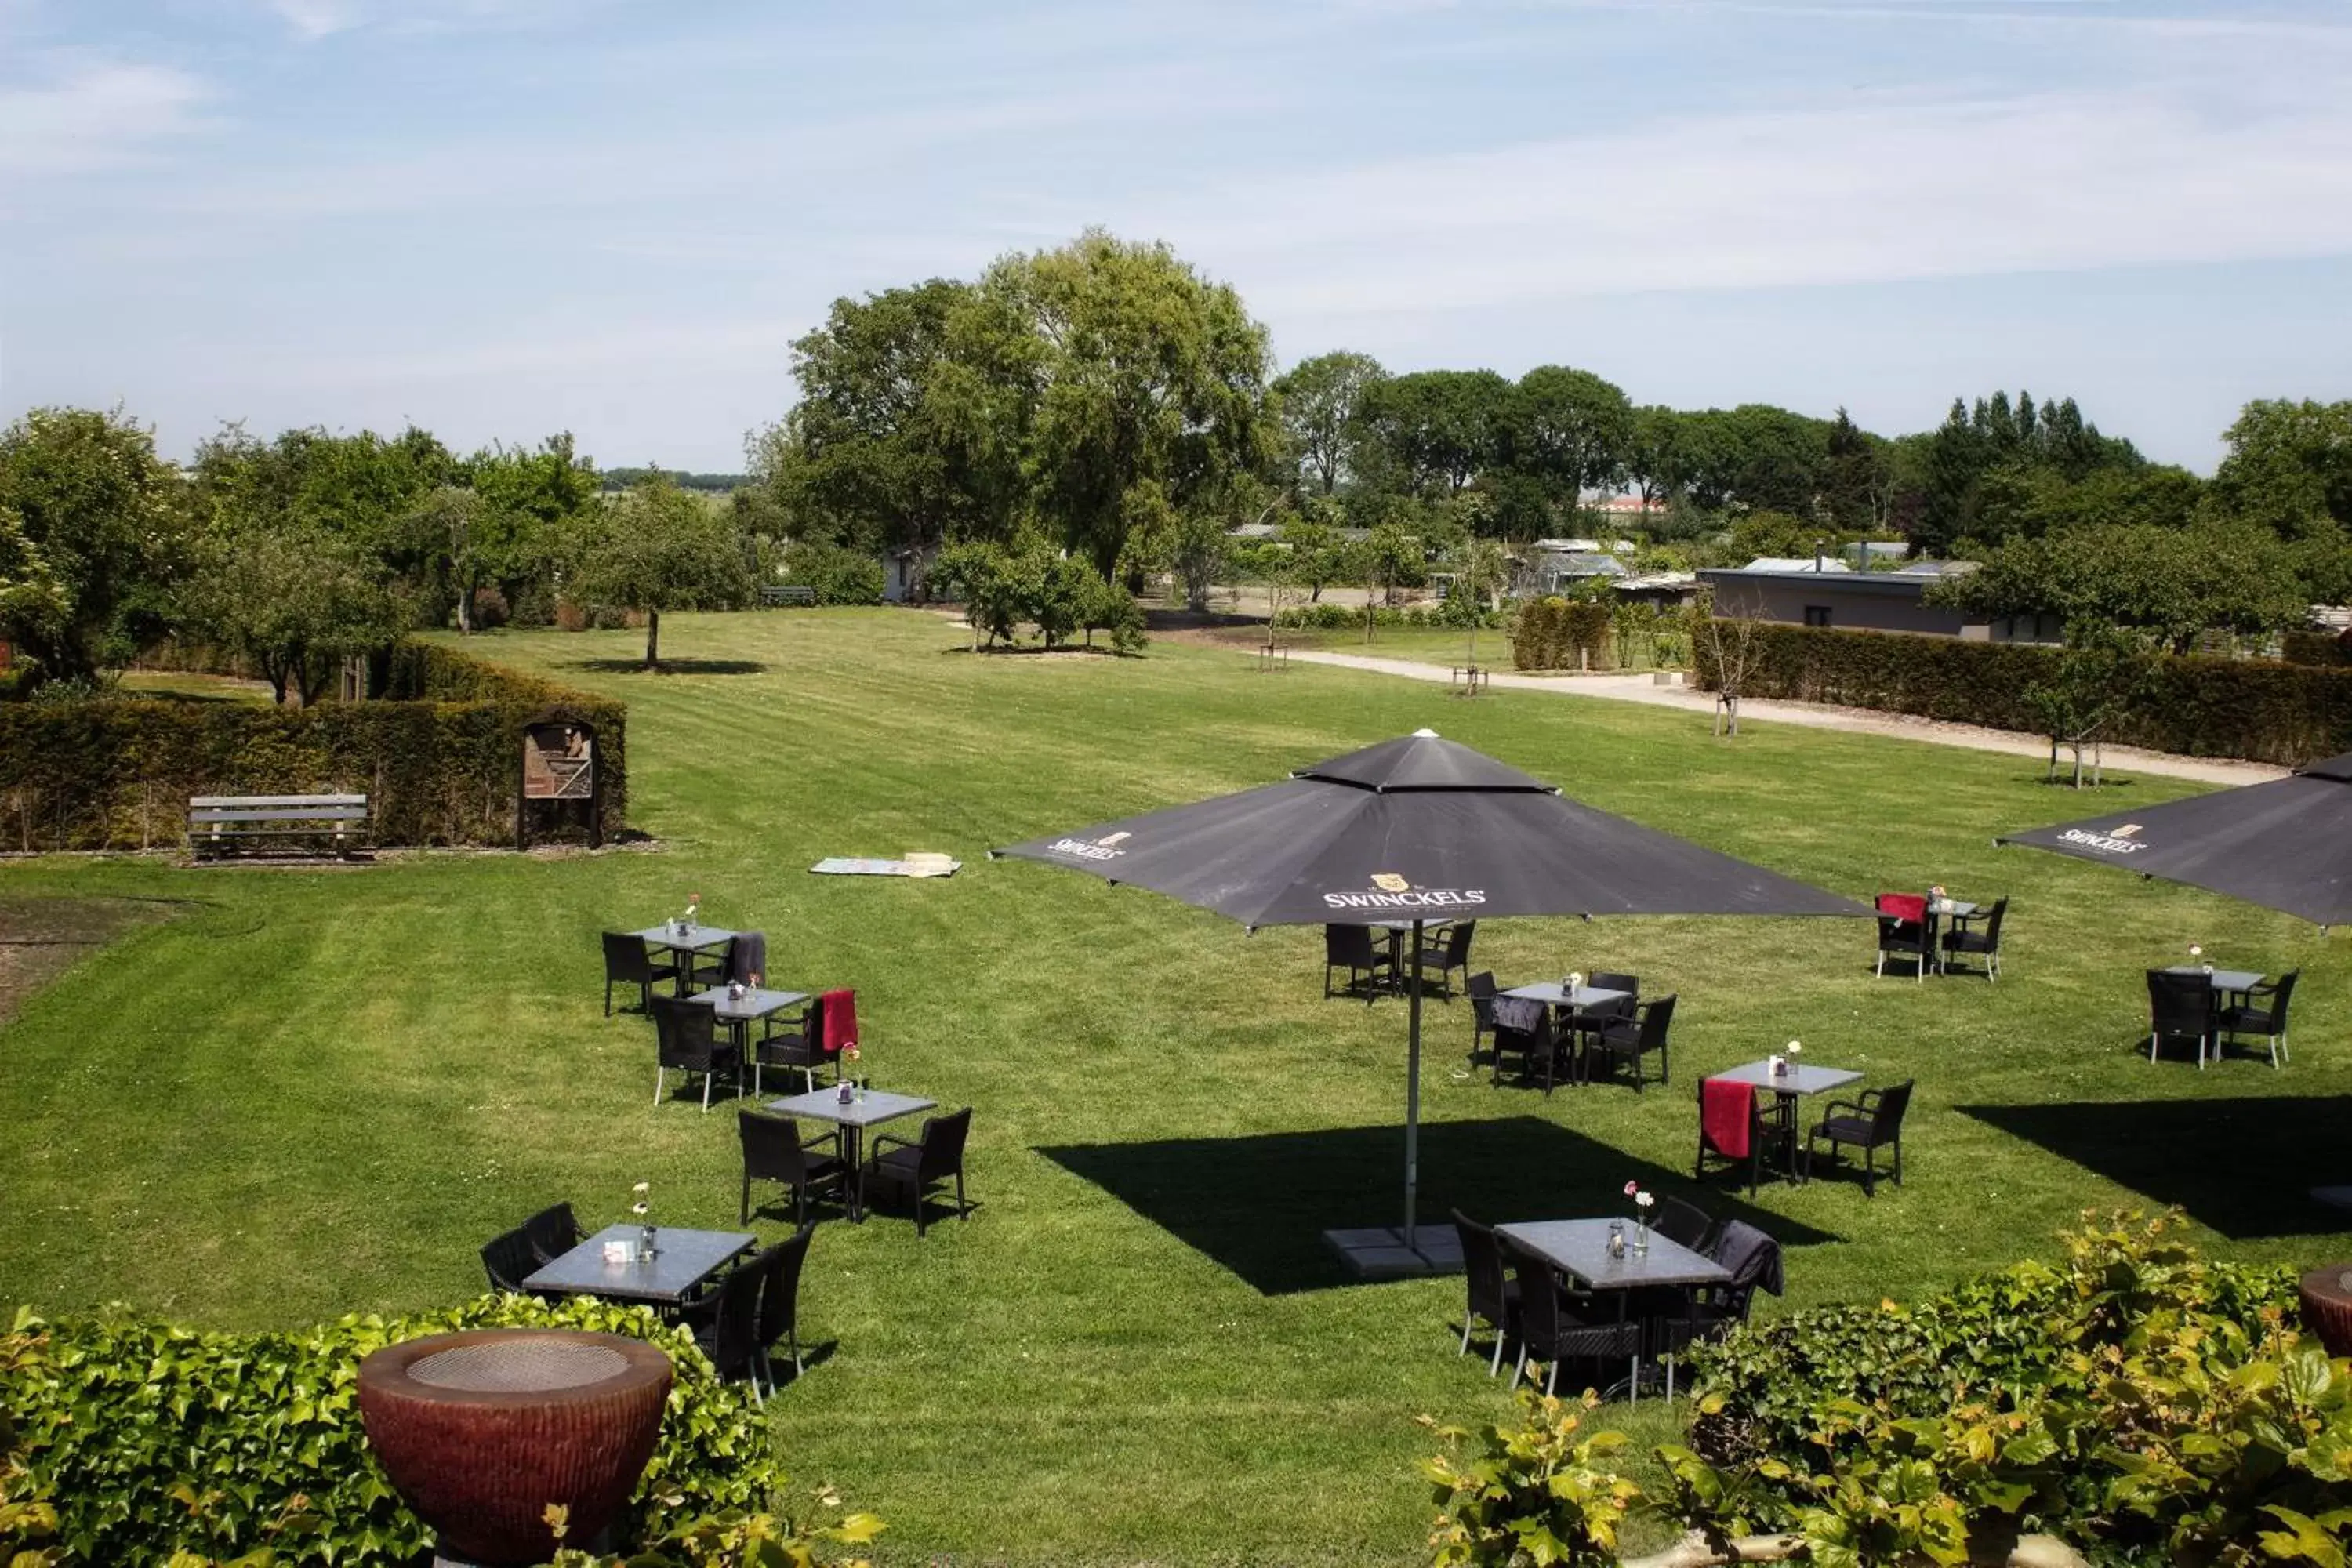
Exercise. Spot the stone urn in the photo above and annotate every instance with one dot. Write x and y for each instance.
(2328, 1306)
(480, 1431)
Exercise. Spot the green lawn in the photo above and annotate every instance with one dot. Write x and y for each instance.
(316, 1092)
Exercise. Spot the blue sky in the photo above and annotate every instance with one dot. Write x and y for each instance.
(503, 217)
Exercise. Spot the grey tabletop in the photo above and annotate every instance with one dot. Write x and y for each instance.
(1581, 1247)
(1799, 1077)
(1953, 908)
(1558, 994)
(685, 1259)
(2222, 979)
(755, 1002)
(693, 939)
(1407, 925)
(824, 1105)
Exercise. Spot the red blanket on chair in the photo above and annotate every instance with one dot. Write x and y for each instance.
(838, 1011)
(1909, 908)
(1727, 1116)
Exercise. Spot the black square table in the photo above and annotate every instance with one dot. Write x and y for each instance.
(1395, 931)
(2225, 981)
(1580, 1248)
(875, 1107)
(685, 941)
(1578, 1005)
(738, 1013)
(684, 1259)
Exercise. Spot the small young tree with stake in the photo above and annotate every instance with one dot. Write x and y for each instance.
(2100, 674)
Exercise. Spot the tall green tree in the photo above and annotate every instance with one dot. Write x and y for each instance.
(295, 599)
(913, 417)
(1658, 456)
(656, 548)
(1856, 478)
(1433, 431)
(2170, 584)
(1144, 372)
(2289, 469)
(107, 520)
(1322, 403)
(1571, 431)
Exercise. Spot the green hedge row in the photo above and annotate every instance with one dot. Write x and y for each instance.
(2316, 647)
(150, 1437)
(1562, 634)
(1326, 618)
(2263, 710)
(437, 762)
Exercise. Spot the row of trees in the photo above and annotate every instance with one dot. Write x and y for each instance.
(297, 552)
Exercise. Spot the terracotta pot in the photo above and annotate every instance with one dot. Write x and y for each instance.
(480, 1431)
(2328, 1306)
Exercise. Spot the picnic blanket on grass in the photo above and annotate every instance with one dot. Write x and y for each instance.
(917, 865)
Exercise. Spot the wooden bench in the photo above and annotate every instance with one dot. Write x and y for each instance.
(221, 825)
(797, 594)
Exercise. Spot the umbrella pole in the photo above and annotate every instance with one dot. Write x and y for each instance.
(1412, 1093)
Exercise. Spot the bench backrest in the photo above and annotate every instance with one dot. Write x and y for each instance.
(205, 810)
(792, 595)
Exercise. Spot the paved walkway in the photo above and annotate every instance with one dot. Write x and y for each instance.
(1859, 720)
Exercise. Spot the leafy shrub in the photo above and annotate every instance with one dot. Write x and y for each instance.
(1003, 591)
(2316, 647)
(489, 609)
(534, 606)
(1557, 633)
(147, 1438)
(839, 574)
(1538, 1493)
(2263, 710)
(437, 760)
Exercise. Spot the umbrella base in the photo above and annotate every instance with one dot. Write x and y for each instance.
(1380, 1253)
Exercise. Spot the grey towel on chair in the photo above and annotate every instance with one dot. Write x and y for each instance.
(1750, 1256)
(1518, 1014)
(747, 955)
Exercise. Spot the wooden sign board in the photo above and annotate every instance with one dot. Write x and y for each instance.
(559, 763)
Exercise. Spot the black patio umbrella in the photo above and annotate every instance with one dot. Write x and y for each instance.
(2286, 845)
(1418, 829)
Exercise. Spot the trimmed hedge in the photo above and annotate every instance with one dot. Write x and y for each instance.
(437, 760)
(1562, 634)
(2266, 710)
(2316, 647)
(150, 1437)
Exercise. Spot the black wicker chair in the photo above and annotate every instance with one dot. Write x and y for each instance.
(1532, 1051)
(553, 1232)
(1871, 1122)
(2263, 1013)
(1628, 1037)
(686, 1037)
(1351, 948)
(2180, 1007)
(626, 962)
(1554, 1324)
(935, 1155)
(508, 1260)
(1962, 941)
(1901, 936)
(1684, 1224)
(1768, 1136)
(1494, 1295)
(1711, 1311)
(799, 1050)
(780, 1301)
(1482, 991)
(773, 1152)
(1451, 954)
(729, 1331)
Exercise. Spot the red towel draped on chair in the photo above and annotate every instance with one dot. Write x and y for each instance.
(1727, 1116)
(1909, 908)
(839, 1011)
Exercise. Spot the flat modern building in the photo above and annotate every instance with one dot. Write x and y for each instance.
(1829, 593)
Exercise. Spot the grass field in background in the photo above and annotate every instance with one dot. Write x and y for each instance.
(320, 1090)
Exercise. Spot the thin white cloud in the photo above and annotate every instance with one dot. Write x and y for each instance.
(92, 114)
(315, 19)
(1876, 193)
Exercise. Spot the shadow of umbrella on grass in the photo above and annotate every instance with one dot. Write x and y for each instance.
(1417, 830)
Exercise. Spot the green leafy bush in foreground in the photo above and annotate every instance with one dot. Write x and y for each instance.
(136, 1440)
(2137, 1402)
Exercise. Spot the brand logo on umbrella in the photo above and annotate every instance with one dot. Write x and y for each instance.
(1104, 848)
(1392, 891)
(2118, 841)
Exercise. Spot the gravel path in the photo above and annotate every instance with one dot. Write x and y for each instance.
(1859, 720)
